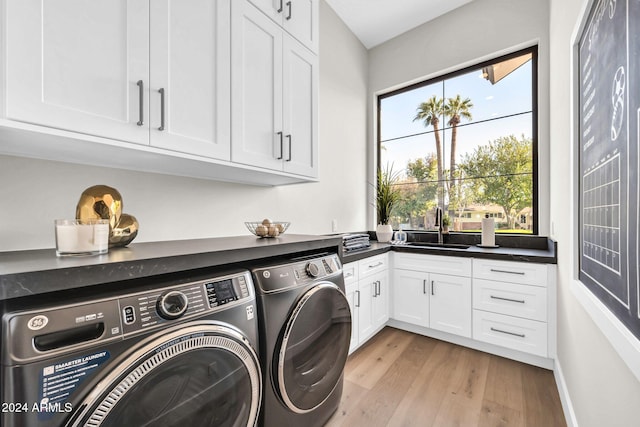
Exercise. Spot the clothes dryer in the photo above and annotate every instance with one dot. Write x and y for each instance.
(305, 330)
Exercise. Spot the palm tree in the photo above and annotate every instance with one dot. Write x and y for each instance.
(456, 109)
(429, 112)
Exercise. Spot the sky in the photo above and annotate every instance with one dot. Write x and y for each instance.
(509, 96)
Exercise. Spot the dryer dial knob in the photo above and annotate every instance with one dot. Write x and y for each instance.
(172, 305)
(312, 269)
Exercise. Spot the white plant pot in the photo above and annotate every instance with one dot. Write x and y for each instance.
(384, 232)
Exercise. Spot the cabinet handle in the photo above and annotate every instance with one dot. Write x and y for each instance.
(507, 332)
(281, 145)
(161, 91)
(358, 304)
(376, 265)
(281, 7)
(521, 301)
(289, 14)
(289, 157)
(348, 275)
(424, 286)
(140, 84)
(379, 287)
(508, 272)
(432, 288)
(375, 290)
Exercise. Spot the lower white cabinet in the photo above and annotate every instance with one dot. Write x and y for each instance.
(511, 305)
(367, 290)
(492, 305)
(434, 300)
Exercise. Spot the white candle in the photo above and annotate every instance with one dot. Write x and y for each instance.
(82, 237)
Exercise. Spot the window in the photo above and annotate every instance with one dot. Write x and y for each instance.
(466, 142)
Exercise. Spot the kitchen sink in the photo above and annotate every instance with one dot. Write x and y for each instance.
(438, 245)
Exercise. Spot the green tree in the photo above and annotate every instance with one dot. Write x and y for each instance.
(456, 109)
(429, 113)
(503, 174)
(418, 191)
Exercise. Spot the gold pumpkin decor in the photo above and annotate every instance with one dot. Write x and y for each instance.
(104, 202)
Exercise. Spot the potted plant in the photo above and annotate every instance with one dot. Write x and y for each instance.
(446, 222)
(387, 196)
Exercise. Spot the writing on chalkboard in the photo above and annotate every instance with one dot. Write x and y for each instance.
(608, 165)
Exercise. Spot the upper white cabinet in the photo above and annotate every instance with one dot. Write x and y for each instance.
(190, 78)
(274, 95)
(76, 65)
(298, 17)
(153, 73)
(147, 85)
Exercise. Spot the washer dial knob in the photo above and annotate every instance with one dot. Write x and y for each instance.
(172, 305)
(312, 269)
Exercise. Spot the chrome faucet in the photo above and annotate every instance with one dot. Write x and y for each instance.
(439, 224)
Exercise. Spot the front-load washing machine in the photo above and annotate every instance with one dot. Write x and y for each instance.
(182, 354)
(305, 329)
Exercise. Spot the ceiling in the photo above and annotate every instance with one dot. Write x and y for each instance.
(376, 21)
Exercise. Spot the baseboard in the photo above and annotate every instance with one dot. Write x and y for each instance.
(565, 399)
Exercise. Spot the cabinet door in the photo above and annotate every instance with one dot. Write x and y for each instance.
(353, 296)
(76, 64)
(272, 8)
(411, 297)
(381, 299)
(450, 304)
(300, 81)
(190, 77)
(366, 327)
(300, 19)
(256, 88)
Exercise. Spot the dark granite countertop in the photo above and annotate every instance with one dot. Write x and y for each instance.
(512, 248)
(32, 272)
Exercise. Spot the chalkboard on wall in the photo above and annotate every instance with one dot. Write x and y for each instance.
(609, 112)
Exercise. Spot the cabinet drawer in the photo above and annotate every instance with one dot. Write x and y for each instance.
(369, 266)
(455, 266)
(507, 271)
(350, 272)
(529, 302)
(525, 335)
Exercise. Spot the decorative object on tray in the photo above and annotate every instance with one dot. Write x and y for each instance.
(355, 242)
(267, 228)
(104, 202)
(387, 196)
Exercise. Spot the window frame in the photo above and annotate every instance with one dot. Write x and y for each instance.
(533, 50)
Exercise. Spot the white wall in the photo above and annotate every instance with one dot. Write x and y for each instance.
(480, 30)
(34, 192)
(603, 391)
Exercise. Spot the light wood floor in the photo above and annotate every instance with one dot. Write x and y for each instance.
(402, 379)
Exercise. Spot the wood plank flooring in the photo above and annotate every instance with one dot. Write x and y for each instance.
(402, 379)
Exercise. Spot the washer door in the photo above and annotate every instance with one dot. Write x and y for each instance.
(314, 348)
(203, 374)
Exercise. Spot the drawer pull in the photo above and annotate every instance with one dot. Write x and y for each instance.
(521, 273)
(521, 301)
(347, 275)
(507, 332)
(376, 265)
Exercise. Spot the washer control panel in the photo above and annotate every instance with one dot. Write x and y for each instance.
(149, 309)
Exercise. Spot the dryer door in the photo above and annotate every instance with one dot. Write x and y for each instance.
(314, 348)
(197, 374)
